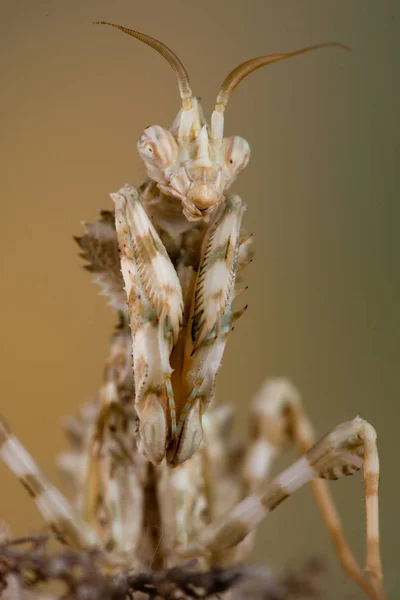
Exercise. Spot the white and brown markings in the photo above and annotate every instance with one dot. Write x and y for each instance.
(156, 474)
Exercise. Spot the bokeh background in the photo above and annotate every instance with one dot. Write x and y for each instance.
(322, 192)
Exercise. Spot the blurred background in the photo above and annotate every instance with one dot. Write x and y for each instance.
(322, 192)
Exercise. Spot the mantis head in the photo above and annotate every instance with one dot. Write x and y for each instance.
(192, 161)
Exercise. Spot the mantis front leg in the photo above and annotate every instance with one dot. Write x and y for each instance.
(167, 330)
(211, 319)
(155, 306)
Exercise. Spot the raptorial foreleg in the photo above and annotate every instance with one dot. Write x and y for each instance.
(155, 307)
(211, 322)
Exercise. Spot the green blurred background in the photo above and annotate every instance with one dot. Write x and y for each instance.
(321, 189)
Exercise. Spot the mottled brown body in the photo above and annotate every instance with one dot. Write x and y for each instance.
(156, 475)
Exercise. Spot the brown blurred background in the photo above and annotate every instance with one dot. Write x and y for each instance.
(322, 192)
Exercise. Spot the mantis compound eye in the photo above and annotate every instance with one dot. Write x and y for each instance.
(158, 147)
(236, 155)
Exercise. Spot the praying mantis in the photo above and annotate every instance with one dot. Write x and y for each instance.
(156, 474)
